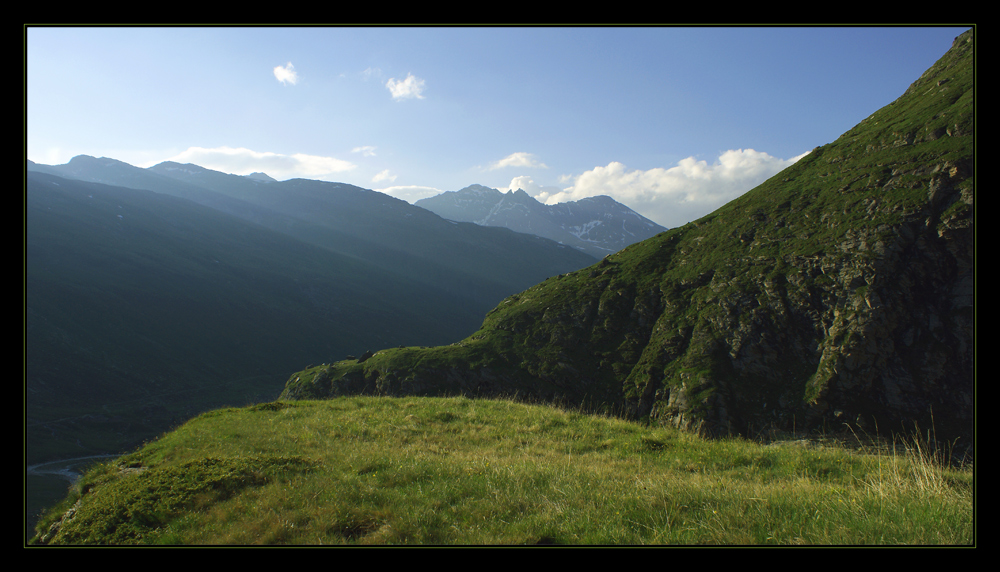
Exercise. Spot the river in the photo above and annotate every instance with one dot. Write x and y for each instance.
(46, 484)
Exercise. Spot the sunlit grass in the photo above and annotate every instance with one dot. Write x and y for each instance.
(461, 471)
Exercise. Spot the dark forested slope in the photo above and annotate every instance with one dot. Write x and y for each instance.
(143, 309)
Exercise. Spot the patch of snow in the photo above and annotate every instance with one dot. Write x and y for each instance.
(580, 231)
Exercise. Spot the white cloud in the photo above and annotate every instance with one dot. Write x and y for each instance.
(366, 151)
(409, 88)
(528, 185)
(675, 196)
(371, 72)
(241, 161)
(384, 176)
(286, 74)
(519, 159)
(51, 156)
(411, 193)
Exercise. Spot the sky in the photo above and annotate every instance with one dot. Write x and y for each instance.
(673, 122)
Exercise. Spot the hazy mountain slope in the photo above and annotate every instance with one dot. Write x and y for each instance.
(837, 292)
(142, 308)
(596, 225)
(396, 235)
(120, 174)
(472, 263)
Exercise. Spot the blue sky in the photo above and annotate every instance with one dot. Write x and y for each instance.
(671, 121)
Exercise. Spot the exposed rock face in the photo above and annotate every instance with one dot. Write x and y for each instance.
(840, 292)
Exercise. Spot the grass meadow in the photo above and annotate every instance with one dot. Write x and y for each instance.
(458, 471)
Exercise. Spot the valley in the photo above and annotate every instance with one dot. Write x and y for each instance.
(306, 362)
(151, 298)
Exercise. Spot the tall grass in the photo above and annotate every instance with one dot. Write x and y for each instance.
(459, 471)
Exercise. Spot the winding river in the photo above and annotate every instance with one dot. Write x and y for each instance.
(64, 468)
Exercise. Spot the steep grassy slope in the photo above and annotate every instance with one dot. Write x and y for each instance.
(837, 292)
(143, 309)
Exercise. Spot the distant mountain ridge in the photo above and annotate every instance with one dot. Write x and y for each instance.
(466, 260)
(203, 286)
(597, 225)
(258, 176)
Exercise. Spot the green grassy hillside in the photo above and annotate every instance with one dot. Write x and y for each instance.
(839, 292)
(364, 470)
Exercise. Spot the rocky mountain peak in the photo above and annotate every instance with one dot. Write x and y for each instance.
(478, 189)
(597, 226)
(263, 177)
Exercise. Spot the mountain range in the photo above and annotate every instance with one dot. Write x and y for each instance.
(390, 233)
(839, 294)
(152, 294)
(596, 225)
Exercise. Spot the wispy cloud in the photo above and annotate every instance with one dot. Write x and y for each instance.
(384, 175)
(520, 159)
(680, 194)
(242, 161)
(286, 74)
(410, 193)
(528, 185)
(366, 150)
(410, 88)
